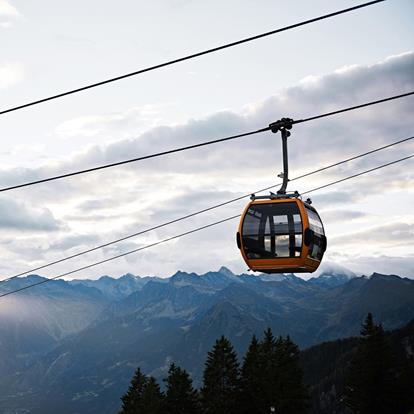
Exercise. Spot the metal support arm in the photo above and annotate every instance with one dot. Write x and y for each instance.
(283, 126)
(285, 173)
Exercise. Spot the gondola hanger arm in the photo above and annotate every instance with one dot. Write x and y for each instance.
(283, 125)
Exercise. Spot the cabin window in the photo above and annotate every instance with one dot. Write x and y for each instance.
(272, 231)
(315, 224)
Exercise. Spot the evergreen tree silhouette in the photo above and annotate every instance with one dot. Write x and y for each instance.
(250, 380)
(372, 384)
(180, 396)
(291, 393)
(221, 379)
(132, 399)
(279, 377)
(268, 378)
(152, 398)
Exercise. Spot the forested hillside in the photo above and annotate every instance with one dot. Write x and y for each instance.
(86, 338)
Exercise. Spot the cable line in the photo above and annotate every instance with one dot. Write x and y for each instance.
(145, 157)
(203, 210)
(201, 144)
(121, 255)
(192, 231)
(353, 108)
(359, 174)
(188, 57)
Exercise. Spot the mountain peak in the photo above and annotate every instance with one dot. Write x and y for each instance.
(129, 276)
(330, 268)
(225, 271)
(332, 275)
(384, 277)
(106, 278)
(179, 275)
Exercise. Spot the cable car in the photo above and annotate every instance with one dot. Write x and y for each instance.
(281, 233)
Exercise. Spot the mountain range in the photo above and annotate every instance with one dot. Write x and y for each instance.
(72, 346)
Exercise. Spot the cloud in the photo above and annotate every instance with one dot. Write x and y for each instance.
(118, 201)
(312, 145)
(137, 119)
(93, 219)
(352, 133)
(342, 215)
(386, 264)
(103, 203)
(74, 240)
(7, 9)
(391, 234)
(332, 268)
(8, 13)
(11, 74)
(15, 215)
(192, 200)
(337, 197)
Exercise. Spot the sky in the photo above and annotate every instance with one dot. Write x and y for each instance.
(48, 47)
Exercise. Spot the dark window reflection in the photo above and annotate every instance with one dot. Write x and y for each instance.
(272, 231)
(315, 224)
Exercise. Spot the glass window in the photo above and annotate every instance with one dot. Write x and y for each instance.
(282, 243)
(315, 224)
(251, 230)
(272, 230)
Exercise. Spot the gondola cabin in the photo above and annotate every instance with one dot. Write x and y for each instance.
(281, 235)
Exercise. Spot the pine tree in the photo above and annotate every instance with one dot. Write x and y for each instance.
(250, 385)
(221, 379)
(180, 396)
(152, 398)
(280, 377)
(131, 400)
(372, 384)
(291, 393)
(268, 378)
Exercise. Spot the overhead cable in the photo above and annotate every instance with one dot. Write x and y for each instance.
(359, 174)
(145, 157)
(340, 111)
(121, 255)
(188, 57)
(196, 213)
(190, 232)
(201, 144)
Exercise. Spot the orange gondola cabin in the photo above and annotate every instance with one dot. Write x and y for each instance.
(281, 235)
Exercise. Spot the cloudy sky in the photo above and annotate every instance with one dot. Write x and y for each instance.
(48, 47)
